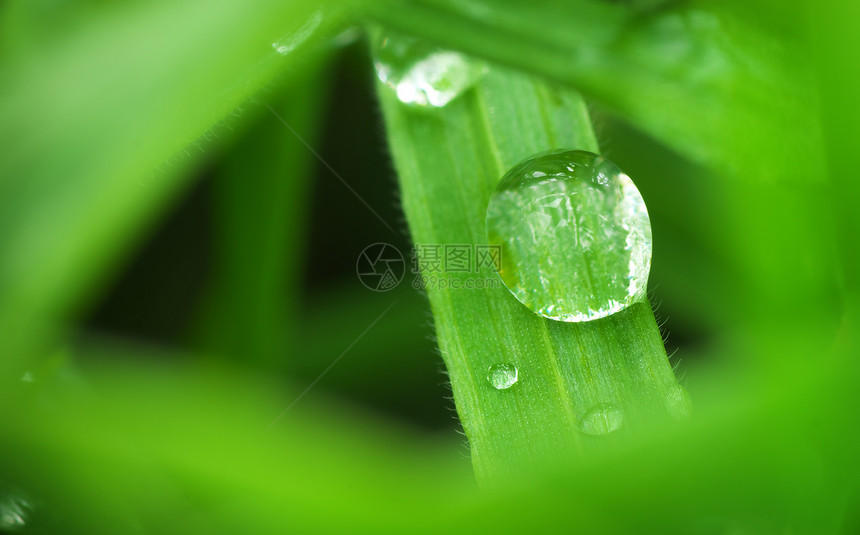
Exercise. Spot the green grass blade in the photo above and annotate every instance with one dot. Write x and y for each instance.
(449, 161)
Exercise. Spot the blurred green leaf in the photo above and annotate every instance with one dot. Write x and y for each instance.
(713, 86)
(261, 199)
(173, 449)
(88, 116)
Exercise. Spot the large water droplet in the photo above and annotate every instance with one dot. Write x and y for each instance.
(601, 420)
(574, 233)
(502, 376)
(421, 74)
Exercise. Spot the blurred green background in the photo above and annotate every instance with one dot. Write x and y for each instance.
(162, 294)
(177, 267)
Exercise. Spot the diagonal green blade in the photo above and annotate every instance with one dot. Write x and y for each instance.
(574, 380)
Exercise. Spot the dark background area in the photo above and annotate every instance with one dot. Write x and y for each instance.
(157, 297)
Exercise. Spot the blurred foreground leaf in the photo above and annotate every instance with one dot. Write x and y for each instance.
(86, 118)
(711, 85)
(141, 447)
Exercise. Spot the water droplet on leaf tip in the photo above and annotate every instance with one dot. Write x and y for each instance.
(421, 74)
(502, 376)
(574, 233)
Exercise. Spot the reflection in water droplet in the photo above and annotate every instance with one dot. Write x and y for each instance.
(502, 376)
(421, 74)
(678, 402)
(574, 233)
(601, 420)
(291, 40)
(15, 511)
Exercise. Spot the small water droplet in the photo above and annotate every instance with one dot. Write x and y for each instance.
(601, 420)
(291, 40)
(421, 74)
(503, 376)
(678, 402)
(347, 37)
(27, 377)
(15, 510)
(574, 233)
